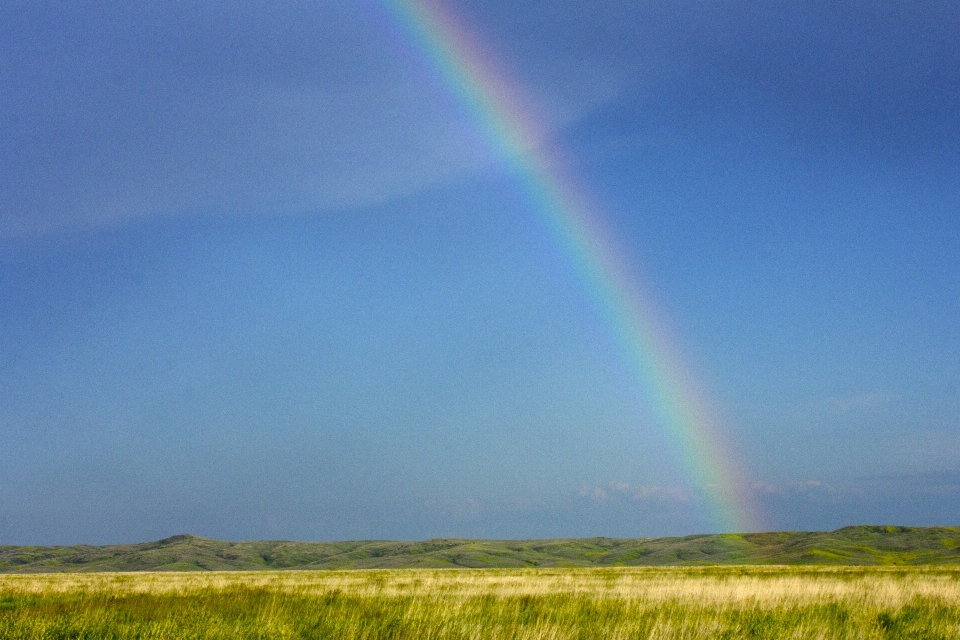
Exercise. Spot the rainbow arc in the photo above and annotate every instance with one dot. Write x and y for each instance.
(578, 226)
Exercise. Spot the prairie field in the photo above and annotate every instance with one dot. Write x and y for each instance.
(555, 603)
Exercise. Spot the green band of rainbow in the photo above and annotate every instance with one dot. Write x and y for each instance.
(577, 225)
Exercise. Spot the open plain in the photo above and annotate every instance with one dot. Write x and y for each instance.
(554, 603)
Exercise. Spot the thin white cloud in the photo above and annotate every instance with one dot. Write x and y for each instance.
(343, 114)
(641, 493)
(292, 149)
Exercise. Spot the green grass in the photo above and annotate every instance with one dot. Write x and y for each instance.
(423, 604)
(866, 545)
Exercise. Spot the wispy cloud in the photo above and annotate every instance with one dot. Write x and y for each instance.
(342, 112)
(616, 490)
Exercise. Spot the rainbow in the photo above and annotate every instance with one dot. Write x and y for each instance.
(496, 105)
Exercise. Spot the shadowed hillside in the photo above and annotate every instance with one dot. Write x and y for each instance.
(863, 545)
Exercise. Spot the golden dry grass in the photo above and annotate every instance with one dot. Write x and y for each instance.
(708, 602)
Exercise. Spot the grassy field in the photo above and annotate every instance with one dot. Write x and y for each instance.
(675, 602)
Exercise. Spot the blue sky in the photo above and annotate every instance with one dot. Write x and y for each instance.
(263, 276)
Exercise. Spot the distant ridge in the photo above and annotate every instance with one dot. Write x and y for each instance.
(861, 545)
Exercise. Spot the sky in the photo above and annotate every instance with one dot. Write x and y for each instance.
(266, 272)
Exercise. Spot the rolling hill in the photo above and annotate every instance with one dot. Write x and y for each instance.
(860, 545)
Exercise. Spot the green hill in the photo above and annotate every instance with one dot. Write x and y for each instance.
(863, 545)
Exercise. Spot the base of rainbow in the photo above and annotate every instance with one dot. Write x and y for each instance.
(577, 225)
